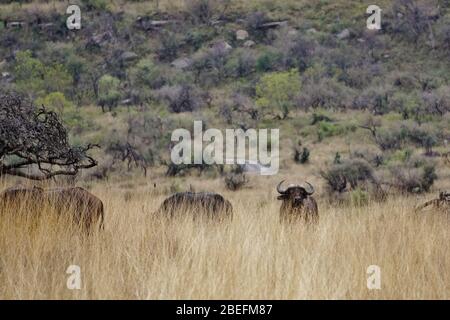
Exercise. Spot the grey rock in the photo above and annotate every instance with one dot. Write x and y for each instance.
(128, 56)
(241, 35)
(273, 25)
(222, 46)
(181, 63)
(344, 34)
(15, 24)
(249, 43)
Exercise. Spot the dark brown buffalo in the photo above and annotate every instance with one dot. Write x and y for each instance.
(297, 203)
(86, 209)
(203, 204)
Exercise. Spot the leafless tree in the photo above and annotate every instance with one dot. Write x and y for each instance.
(35, 138)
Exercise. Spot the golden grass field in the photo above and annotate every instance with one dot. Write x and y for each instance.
(139, 256)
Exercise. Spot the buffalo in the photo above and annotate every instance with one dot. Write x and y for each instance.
(297, 203)
(440, 204)
(202, 204)
(87, 210)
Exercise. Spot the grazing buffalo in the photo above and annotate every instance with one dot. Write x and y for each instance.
(203, 204)
(297, 203)
(86, 209)
(440, 204)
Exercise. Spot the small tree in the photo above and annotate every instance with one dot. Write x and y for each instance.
(34, 138)
(108, 92)
(278, 90)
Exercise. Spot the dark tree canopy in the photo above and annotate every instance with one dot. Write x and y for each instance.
(34, 142)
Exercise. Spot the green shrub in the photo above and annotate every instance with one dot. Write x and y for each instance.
(108, 91)
(268, 61)
(55, 101)
(278, 90)
(95, 4)
(353, 172)
(36, 79)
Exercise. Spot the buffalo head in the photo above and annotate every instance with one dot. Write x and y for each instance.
(296, 193)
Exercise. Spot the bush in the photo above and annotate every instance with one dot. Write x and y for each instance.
(437, 101)
(108, 92)
(236, 179)
(35, 79)
(202, 11)
(255, 20)
(241, 64)
(181, 98)
(268, 61)
(278, 90)
(415, 178)
(324, 93)
(95, 4)
(147, 74)
(328, 129)
(375, 99)
(296, 50)
(353, 172)
(55, 101)
(170, 43)
(302, 156)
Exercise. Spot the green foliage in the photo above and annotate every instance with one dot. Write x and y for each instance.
(328, 129)
(241, 64)
(277, 91)
(401, 156)
(170, 43)
(29, 72)
(95, 4)
(267, 61)
(353, 172)
(36, 79)
(108, 91)
(147, 74)
(55, 101)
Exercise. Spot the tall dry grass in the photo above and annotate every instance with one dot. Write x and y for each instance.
(139, 256)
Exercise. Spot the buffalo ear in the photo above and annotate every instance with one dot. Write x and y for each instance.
(282, 197)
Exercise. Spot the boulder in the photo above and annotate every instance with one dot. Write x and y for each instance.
(222, 46)
(249, 43)
(128, 56)
(181, 63)
(147, 23)
(15, 24)
(241, 35)
(273, 25)
(100, 39)
(344, 34)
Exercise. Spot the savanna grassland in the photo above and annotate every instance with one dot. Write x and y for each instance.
(364, 115)
(140, 256)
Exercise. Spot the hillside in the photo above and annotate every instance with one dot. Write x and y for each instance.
(137, 70)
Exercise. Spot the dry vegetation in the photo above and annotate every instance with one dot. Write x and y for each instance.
(142, 257)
